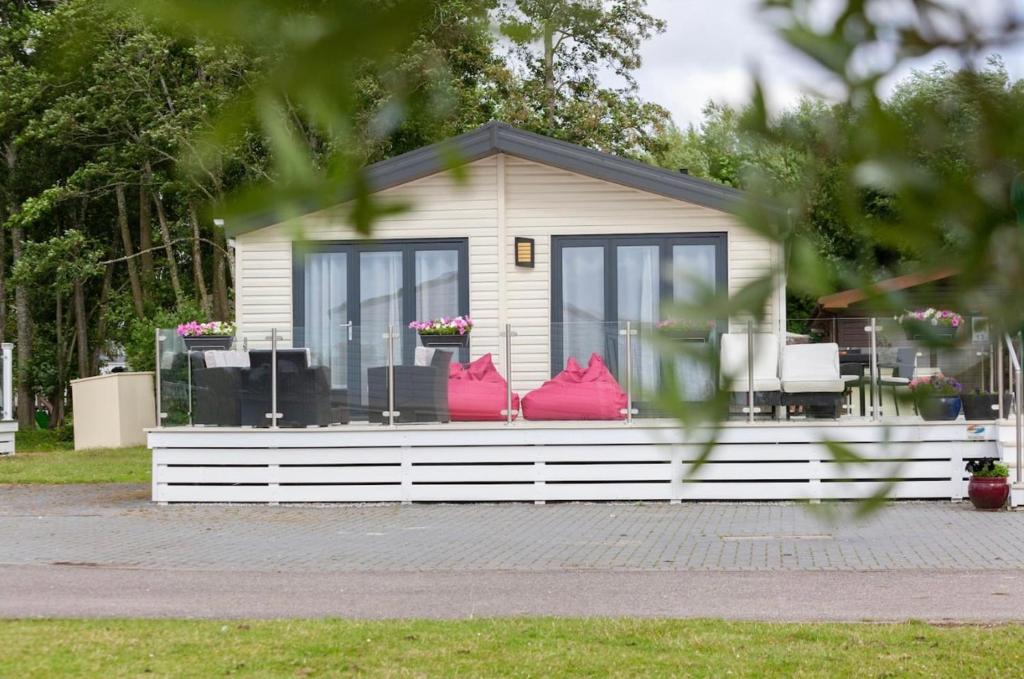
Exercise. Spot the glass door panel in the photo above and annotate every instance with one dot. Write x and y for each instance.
(694, 274)
(437, 284)
(380, 308)
(583, 304)
(326, 313)
(638, 281)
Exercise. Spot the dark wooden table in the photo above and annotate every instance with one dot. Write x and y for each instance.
(854, 361)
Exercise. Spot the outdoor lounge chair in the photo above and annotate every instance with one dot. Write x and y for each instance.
(734, 369)
(421, 391)
(811, 378)
(216, 393)
(304, 394)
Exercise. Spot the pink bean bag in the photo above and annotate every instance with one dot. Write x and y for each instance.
(477, 392)
(577, 394)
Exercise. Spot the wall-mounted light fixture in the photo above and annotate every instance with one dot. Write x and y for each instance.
(525, 252)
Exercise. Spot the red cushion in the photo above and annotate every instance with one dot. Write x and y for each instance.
(477, 392)
(577, 394)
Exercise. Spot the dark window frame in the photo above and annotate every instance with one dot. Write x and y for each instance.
(611, 243)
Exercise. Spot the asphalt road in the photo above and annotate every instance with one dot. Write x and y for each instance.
(88, 591)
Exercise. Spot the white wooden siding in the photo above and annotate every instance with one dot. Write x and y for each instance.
(543, 201)
(503, 197)
(441, 207)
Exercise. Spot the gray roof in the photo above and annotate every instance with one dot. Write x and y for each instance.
(496, 137)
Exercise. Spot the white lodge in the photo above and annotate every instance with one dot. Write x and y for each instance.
(616, 224)
(338, 412)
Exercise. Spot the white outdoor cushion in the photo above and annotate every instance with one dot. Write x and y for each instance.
(811, 368)
(766, 362)
(814, 386)
(226, 359)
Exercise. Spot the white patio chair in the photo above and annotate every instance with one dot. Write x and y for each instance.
(811, 377)
(734, 368)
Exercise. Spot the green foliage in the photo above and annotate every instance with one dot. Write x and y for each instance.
(922, 180)
(559, 46)
(139, 334)
(988, 469)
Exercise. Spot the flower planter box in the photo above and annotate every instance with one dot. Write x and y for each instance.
(460, 341)
(694, 335)
(922, 330)
(208, 342)
(939, 408)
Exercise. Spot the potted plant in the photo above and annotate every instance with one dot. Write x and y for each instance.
(937, 397)
(983, 405)
(931, 324)
(444, 332)
(686, 329)
(212, 335)
(989, 487)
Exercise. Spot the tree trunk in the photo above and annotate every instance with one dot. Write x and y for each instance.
(145, 236)
(3, 287)
(23, 318)
(81, 329)
(57, 397)
(129, 251)
(549, 74)
(220, 277)
(197, 260)
(165, 234)
(101, 322)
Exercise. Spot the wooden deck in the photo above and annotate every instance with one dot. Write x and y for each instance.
(566, 461)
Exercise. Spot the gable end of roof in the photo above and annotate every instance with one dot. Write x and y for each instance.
(496, 137)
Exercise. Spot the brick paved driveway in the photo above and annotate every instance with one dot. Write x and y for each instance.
(116, 526)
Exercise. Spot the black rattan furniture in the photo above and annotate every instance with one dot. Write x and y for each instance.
(421, 392)
(304, 394)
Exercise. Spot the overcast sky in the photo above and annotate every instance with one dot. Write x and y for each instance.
(711, 47)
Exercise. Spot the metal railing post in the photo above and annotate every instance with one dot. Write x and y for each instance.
(1018, 397)
(156, 382)
(508, 373)
(273, 414)
(1018, 406)
(629, 372)
(750, 371)
(1000, 379)
(8, 383)
(391, 375)
(876, 404)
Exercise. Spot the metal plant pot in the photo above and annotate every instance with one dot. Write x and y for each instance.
(988, 493)
(985, 406)
(939, 408)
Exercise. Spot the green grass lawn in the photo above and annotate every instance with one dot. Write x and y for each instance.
(522, 647)
(42, 457)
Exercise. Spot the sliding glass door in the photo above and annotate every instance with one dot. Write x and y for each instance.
(599, 283)
(346, 296)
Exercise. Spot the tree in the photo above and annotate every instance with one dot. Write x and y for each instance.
(561, 45)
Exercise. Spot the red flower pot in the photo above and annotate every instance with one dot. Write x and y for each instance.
(988, 493)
